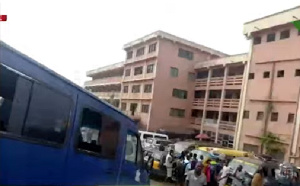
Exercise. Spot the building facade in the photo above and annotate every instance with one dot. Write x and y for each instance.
(216, 102)
(158, 81)
(106, 83)
(271, 100)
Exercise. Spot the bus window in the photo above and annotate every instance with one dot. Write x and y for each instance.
(99, 134)
(131, 148)
(14, 96)
(48, 115)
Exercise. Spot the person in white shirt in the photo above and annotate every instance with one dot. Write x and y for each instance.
(238, 175)
(224, 174)
(196, 177)
(169, 165)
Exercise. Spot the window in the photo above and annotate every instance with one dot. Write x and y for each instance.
(180, 113)
(185, 54)
(129, 54)
(123, 106)
(274, 116)
(285, 34)
(251, 75)
(266, 74)
(150, 68)
(182, 94)
(14, 97)
(133, 149)
(125, 89)
(95, 130)
(271, 37)
(191, 76)
(136, 88)
(152, 47)
(257, 41)
(145, 108)
(246, 114)
(280, 73)
(44, 120)
(291, 118)
(140, 51)
(174, 72)
(299, 33)
(138, 70)
(37, 118)
(297, 72)
(148, 88)
(127, 72)
(260, 116)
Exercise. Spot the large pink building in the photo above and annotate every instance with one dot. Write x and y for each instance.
(271, 97)
(158, 80)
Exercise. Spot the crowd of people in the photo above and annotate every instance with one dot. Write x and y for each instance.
(191, 170)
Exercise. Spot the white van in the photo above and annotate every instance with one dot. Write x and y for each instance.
(144, 135)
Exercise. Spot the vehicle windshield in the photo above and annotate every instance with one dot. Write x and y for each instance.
(201, 152)
(163, 142)
(160, 137)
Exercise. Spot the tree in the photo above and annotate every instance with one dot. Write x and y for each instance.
(271, 143)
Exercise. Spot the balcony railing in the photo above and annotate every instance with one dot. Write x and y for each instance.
(231, 103)
(210, 121)
(216, 81)
(234, 80)
(200, 83)
(198, 102)
(136, 116)
(213, 102)
(227, 125)
(107, 95)
(104, 81)
(195, 121)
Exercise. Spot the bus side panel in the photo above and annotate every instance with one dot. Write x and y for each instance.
(84, 168)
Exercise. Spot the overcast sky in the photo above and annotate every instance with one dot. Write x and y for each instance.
(73, 36)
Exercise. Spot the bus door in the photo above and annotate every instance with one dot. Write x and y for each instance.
(94, 157)
(133, 172)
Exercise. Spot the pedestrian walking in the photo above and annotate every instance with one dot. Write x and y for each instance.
(224, 174)
(169, 165)
(196, 177)
(194, 162)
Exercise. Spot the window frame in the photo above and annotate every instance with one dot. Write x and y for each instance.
(139, 145)
(266, 74)
(171, 70)
(251, 75)
(145, 85)
(152, 47)
(26, 139)
(127, 70)
(176, 90)
(259, 116)
(270, 37)
(278, 73)
(257, 40)
(138, 67)
(139, 90)
(248, 115)
(277, 116)
(288, 119)
(129, 56)
(147, 109)
(141, 53)
(124, 89)
(283, 32)
(148, 69)
(297, 71)
(77, 135)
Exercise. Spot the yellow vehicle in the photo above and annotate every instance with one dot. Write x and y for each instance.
(227, 152)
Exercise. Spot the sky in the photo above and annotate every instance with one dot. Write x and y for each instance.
(74, 36)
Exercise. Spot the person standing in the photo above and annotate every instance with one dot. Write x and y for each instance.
(238, 176)
(224, 174)
(196, 177)
(200, 161)
(169, 165)
(194, 162)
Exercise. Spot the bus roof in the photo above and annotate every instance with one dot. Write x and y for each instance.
(4, 46)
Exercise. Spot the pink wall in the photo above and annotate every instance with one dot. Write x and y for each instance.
(164, 84)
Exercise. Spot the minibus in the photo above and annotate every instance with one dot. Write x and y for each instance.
(53, 132)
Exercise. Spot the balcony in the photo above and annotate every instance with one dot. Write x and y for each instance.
(147, 56)
(136, 116)
(145, 96)
(107, 95)
(231, 103)
(209, 121)
(201, 83)
(216, 81)
(198, 102)
(227, 125)
(234, 80)
(104, 81)
(213, 102)
(195, 121)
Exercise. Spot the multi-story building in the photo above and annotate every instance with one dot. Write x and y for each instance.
(216, 101)
(158, 80)
(271, 100)
(106, 82)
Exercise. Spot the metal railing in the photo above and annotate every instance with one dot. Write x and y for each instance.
(201, 83)
(227, 125)
(216, 81)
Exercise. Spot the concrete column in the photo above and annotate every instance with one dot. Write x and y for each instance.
(149, 116)
(239, 123)
(205, 99)
(295, 138)
(221, 102)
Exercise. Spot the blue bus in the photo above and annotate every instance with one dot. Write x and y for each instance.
(53, 132)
